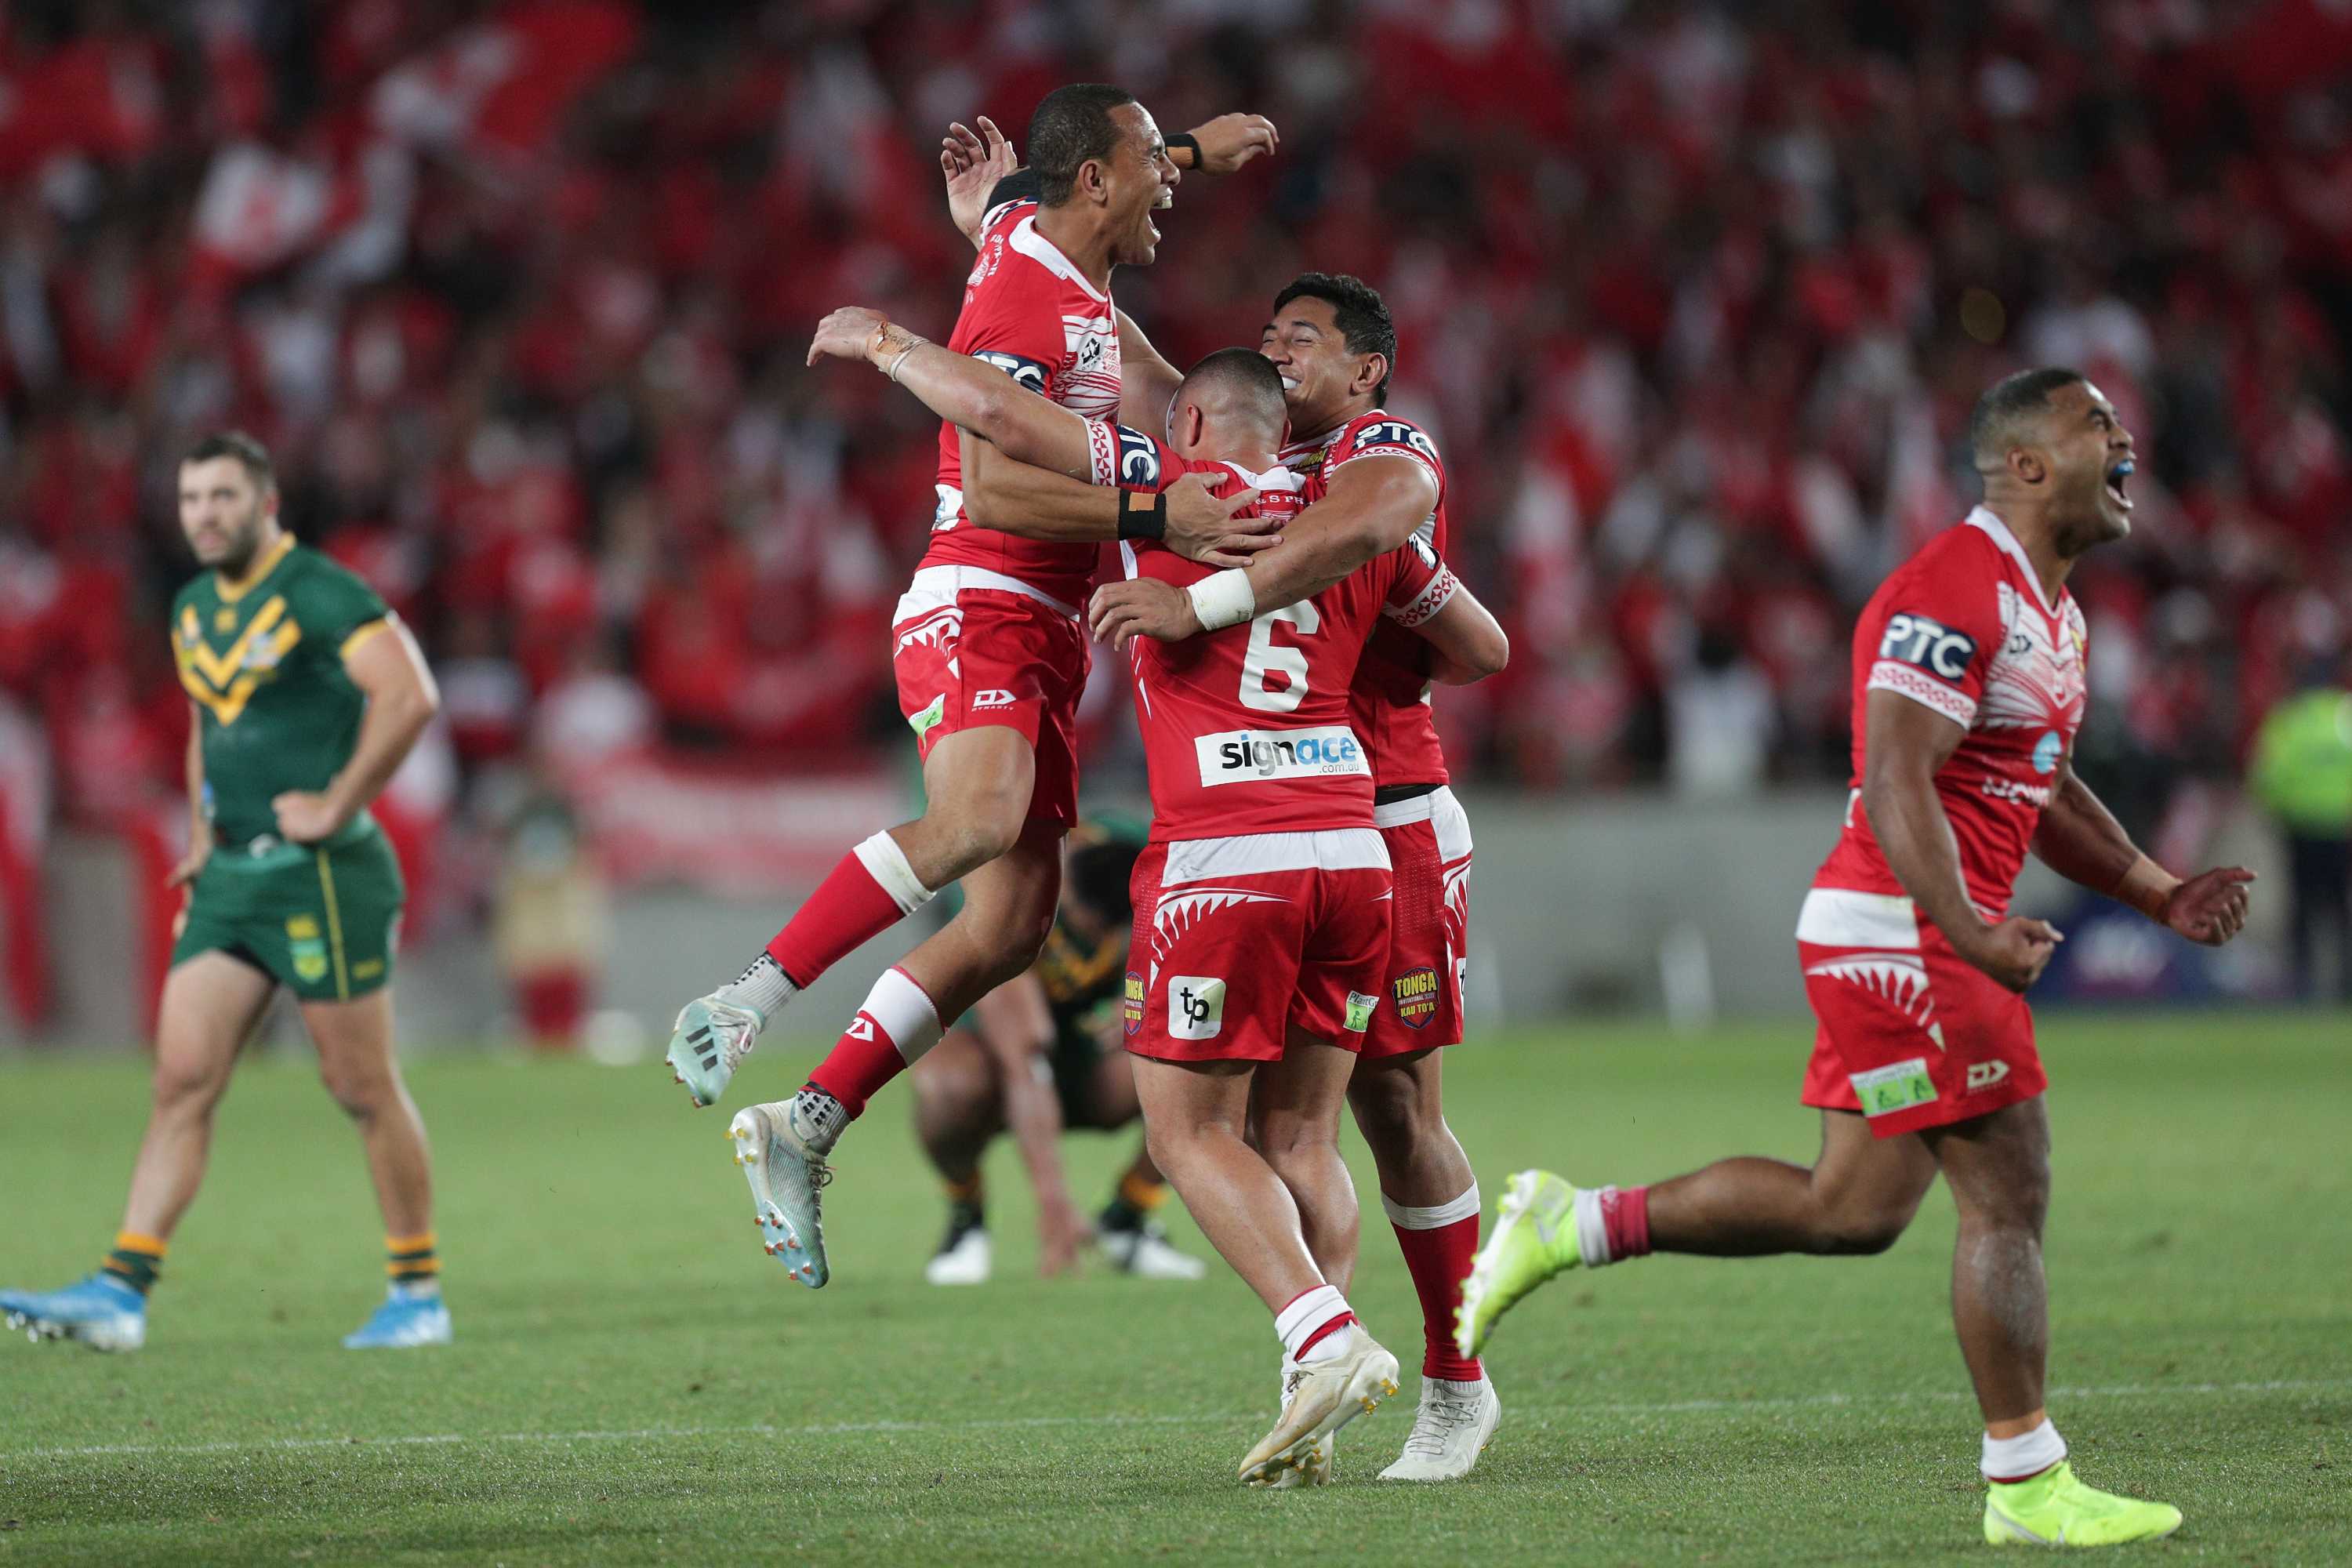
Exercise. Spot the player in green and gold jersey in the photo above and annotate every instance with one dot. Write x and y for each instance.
(305, 694)
(1040, 1053)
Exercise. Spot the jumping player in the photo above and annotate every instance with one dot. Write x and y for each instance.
(305, 693)
(1333, 342)
(1040, 1053)
(990, 654)
(1968, 686)
(1229, 407)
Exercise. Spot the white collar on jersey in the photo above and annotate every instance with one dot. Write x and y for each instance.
(1275, 479)
(1025, 240)
(1985, 519)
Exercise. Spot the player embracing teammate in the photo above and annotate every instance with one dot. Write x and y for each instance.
(1968, 675)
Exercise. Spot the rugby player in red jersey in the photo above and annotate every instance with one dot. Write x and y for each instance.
(1968, 686)
(991, 660)
(1334, 344)
(1262, 946)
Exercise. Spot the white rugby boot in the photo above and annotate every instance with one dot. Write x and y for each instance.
(780, 1147)
(710, 1040)
(1453, 1424)
(1321, 1459)
(1146, 1252)
(965, 1258)
(1326, 1394)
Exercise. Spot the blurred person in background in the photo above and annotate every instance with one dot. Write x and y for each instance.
(548, 926)
(1043, 1053)
(2302, 773)
(308, 694)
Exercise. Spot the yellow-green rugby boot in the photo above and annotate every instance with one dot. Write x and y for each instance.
(2054, 1509)
(1534, 1238)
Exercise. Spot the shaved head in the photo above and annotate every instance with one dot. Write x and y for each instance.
(1238, 390)
(2008, 414)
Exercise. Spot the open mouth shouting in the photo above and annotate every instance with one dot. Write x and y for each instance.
(2116, 477)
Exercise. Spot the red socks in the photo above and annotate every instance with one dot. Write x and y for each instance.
(890, 1034)
(1438, 1243)
(1625, 1218)
(872, 890)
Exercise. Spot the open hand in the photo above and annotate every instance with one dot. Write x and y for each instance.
(2209, 908)
(1231, 140)
(844, 333)
(1144, 606)
(1203, 525)
(1060, 1235)
(973, 162)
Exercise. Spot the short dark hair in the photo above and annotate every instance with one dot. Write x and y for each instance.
(1071, 125)
(1244, 374)
(1357, 308)
(1992, 426)
(244, 448)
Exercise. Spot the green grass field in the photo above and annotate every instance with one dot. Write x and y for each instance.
(635, 1383)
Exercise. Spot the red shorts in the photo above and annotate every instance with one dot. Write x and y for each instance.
(1911, 1034)
(1429, 849)
(973, 647)
(1239, 940)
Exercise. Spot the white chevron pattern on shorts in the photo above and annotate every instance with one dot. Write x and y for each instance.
(1899, 978)
(1177, 913)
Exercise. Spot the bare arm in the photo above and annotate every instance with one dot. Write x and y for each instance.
(959, 389)
(200, 832)
(1017, 1028)
(1469, 642)
(390, 670)
(974, 162)
(1372, 507)
(2081, 840)
(1147, 383)
(1907, 744)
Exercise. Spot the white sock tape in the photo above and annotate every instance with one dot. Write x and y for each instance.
(1437, 1217)
(904, 1011)
(2027, 1454)
(887, 864)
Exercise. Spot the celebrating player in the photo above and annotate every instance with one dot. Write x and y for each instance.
(1968, 686)
(1276, 880)
(306, 692)
(991, 660)
(1041, 1053)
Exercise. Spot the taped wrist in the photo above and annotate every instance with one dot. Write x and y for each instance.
(2147, 887)
(1223, 599)
(1183, 141)
(1143, 515)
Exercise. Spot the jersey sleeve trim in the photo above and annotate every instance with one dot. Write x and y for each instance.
(1102, 452)
(1334, 464)
(1904, 680)
(1423, 607)
(362, 633)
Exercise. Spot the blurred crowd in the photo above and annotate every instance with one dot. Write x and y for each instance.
(1693, 296)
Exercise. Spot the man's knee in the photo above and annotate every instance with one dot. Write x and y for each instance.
(363, 1091)
(188, 1085)
(1863, 1230)
(979, 822)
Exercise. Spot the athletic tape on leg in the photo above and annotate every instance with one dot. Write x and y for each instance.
(1435, 1217)
(887, 864)
(904, 1012)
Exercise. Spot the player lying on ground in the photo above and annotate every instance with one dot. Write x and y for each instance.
(1332, 341)
(1268, 929)
(990, 654)
(1040, 1053)
(306, 692)
(1968, 686)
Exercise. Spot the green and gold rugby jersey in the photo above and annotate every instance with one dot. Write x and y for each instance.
(1083, 982)
(264, 663)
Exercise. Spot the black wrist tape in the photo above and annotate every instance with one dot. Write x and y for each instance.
(1187, 141)
(1143, 515)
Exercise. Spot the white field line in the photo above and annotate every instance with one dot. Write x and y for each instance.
(846, 1428)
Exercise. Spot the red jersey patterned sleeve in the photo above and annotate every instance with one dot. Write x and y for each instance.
(1937, 636)
(1123, 456)
(1382, 434)
(1423, 585)
(1010, 317)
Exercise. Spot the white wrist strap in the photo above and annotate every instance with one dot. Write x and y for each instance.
(1225, 599)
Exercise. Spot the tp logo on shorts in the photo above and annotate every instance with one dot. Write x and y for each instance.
(309, 952)
(1416, 996)
(1984, 1075)
(1196, 1006)
(1360, 1011)
(993, 697)
(1132, 1005)
(1899, 1087)
(929, 717)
